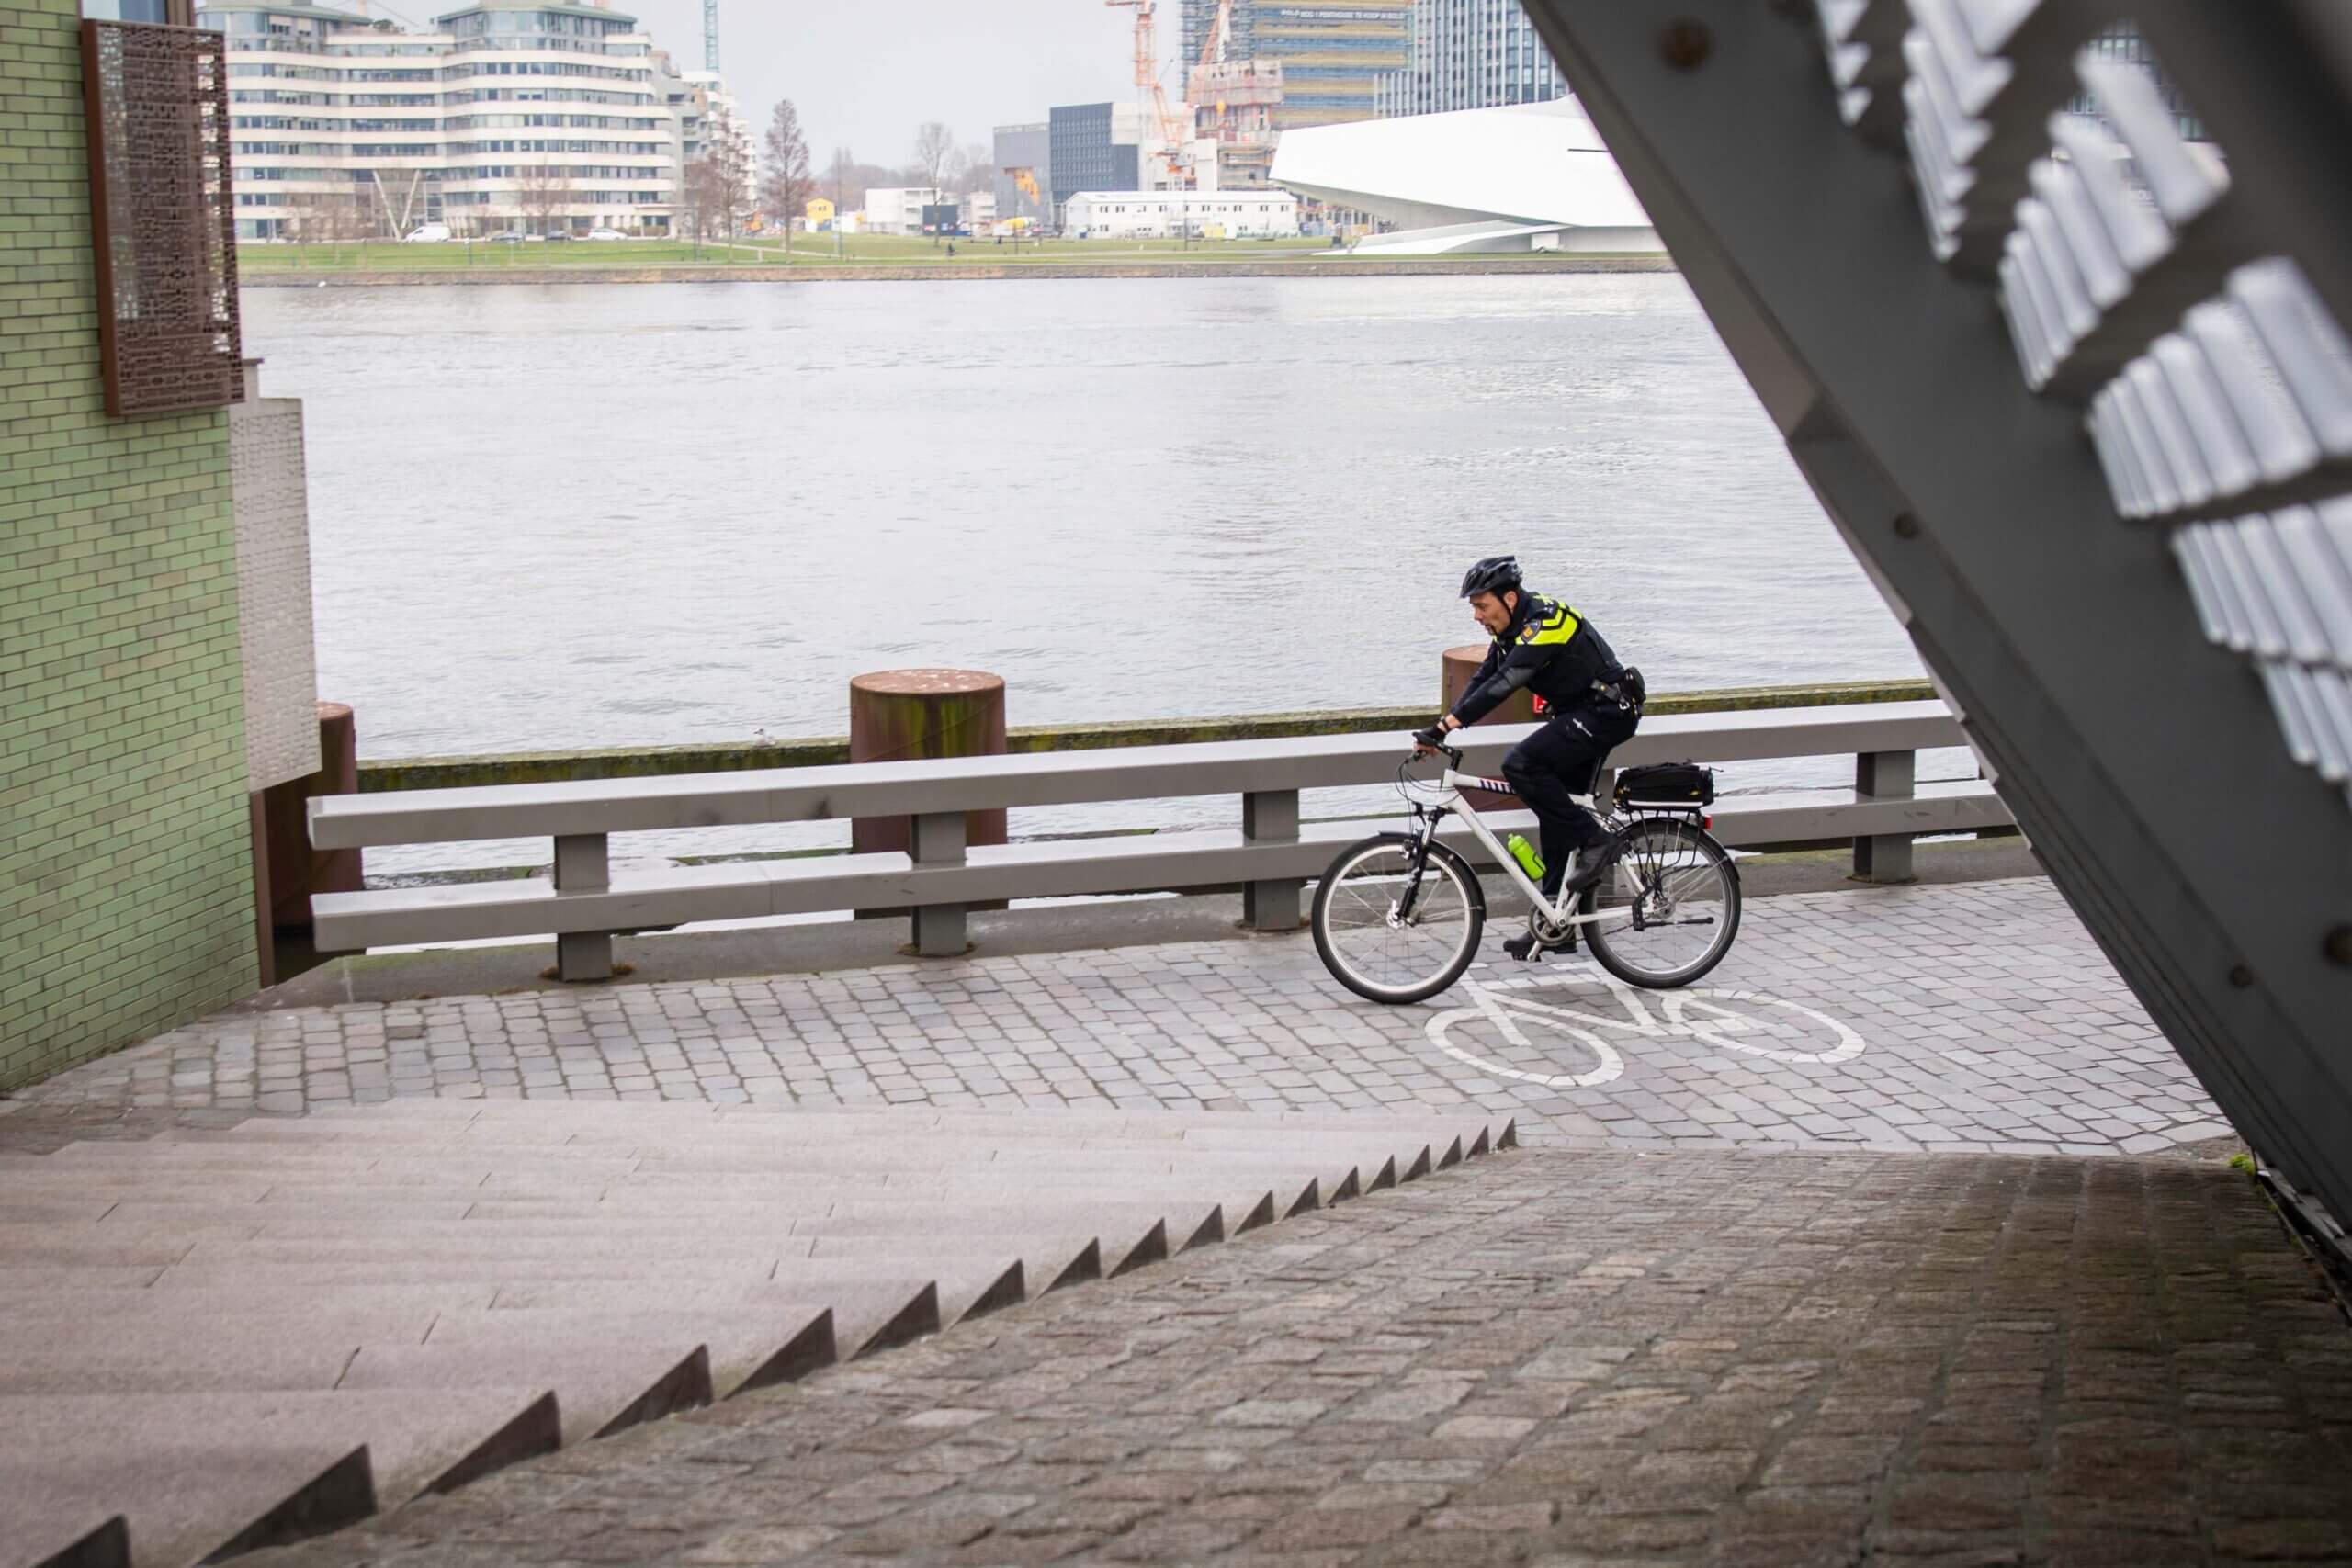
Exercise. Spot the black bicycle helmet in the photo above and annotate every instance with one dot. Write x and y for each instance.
(1495, 574)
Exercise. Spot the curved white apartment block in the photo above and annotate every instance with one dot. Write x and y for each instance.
(1523, 177)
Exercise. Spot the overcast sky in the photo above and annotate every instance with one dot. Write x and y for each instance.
(866, 72)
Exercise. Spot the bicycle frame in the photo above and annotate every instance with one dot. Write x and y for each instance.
(1434, 812)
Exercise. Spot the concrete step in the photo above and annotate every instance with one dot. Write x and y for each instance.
(608, 1263)
(298, 1301)
(264, 1277)
(193, 1475)
(398, 1118)
(962, 1282)
(601, 1386)
(158, 1343)
(685, 1190)
(167, 1351)
(621, 1160)
(489, 1243)
(749, 1346)
(517, 1230)
(874, 1307)
(52, 1535)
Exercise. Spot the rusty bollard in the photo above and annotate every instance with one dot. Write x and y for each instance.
(920, 715)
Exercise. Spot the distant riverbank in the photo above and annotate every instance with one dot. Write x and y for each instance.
(809, 272)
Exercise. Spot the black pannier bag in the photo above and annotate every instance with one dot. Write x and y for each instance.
(1681, 786)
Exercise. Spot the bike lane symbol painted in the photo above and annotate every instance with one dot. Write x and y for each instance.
(1746, 1021)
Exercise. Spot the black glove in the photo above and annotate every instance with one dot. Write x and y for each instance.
(1433, 737)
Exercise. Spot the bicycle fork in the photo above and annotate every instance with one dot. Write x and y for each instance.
(1417, 860)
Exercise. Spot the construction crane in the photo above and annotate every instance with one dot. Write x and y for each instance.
(710, 35)
(1173, 132)
(1220, 40)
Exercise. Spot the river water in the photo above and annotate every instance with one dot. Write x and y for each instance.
(606, 516)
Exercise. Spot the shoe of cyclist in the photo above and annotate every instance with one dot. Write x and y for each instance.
(1592, 860)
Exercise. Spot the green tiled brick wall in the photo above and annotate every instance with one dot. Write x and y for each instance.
(125, 882)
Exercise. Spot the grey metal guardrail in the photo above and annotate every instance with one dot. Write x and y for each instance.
(1270, 853)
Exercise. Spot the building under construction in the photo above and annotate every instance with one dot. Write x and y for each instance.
(1237, 105)
(1332, 53)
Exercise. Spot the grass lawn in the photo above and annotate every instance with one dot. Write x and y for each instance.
(893, 250)
(855, 250)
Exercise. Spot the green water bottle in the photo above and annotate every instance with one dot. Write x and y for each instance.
(1524, 854)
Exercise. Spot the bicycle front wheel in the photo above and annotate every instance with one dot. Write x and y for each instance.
(1668, 908)
(1395, 931)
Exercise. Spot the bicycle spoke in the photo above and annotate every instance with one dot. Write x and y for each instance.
(1671, 912)
(1366, 939)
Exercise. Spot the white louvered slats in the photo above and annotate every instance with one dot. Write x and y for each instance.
(2218, 385)
(2305, 342)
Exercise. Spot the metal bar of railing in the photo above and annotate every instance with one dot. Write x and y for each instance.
(1270, 858)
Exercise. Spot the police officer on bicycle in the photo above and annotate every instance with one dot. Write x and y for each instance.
(1588, 702)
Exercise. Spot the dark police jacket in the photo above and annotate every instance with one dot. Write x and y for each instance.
(1549, 650)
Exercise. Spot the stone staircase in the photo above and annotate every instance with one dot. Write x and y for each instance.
(222, 1340)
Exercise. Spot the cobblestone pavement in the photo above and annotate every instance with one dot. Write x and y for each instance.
(1555, 1357)
(1974, 1016)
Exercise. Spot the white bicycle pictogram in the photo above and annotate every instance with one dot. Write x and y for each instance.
(1747, 1022)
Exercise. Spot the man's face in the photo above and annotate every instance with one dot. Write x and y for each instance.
(1493, 610)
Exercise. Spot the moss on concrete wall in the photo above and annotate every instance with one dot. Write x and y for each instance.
(654, 761)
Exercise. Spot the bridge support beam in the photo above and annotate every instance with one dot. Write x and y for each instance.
(2142, 761)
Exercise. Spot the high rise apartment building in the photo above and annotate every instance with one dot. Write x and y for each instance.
(1471, 54)
(537, 116)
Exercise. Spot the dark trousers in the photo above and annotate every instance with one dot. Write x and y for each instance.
(1558, 762)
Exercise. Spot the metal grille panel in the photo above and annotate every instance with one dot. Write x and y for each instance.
(163, 217)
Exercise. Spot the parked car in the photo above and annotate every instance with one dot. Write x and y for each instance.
(427, 234)
(607, 234)
(510, 237)
(561, 234)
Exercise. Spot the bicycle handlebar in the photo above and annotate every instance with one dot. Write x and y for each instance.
(1453, 754)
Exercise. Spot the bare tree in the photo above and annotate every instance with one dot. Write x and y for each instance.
(934, 152)
(702, 192)
(785, 181)
(839, 173)
(974, 169)
(543, 190)
(332, 220)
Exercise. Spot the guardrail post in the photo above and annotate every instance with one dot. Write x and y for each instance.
(1884, 775)
(1271, 816)
(584, 864)
(939, 927)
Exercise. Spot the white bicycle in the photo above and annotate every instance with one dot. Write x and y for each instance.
(1399, 915)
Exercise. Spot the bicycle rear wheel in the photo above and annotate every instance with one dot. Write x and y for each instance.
(1669, 907)
(1394, 930)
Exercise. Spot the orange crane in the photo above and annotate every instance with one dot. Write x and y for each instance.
(1220, 35)
(1173, 132)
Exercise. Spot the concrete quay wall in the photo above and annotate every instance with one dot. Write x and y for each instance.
(817, 272)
